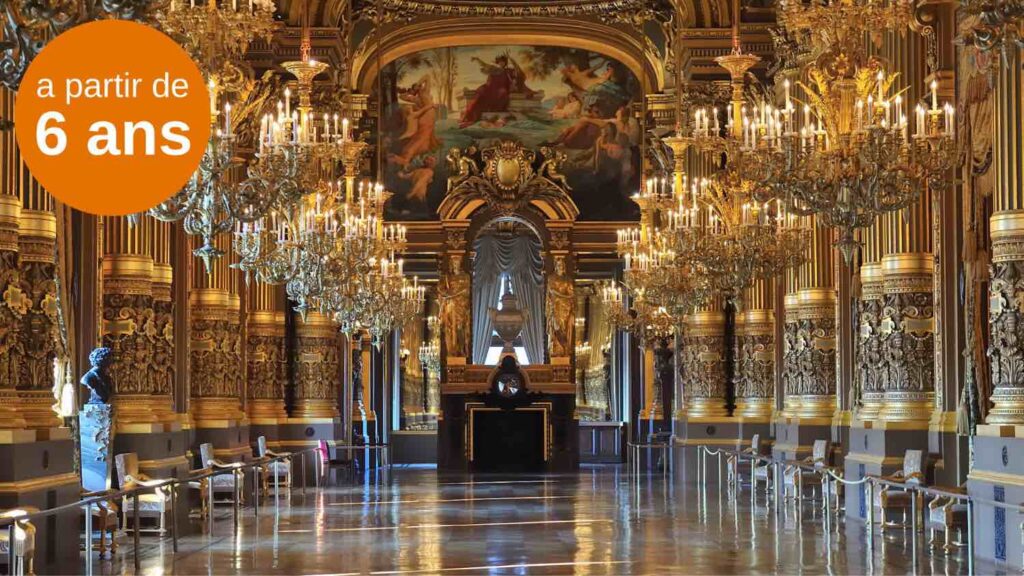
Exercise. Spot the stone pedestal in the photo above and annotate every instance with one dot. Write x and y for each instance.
(96, 432)
(998, 475)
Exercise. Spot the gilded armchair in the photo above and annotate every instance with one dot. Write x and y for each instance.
(24, 545)
(889, 498)
(155, 504)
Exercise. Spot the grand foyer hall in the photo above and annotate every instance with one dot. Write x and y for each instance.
(546, 287)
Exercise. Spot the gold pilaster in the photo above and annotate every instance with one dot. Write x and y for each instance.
(869, 368)
(702, 363)
(14, 302)
(37, 236)
(1006, 317)
(908, 337)
(755, 352)
(266, 362)
(319, 368)
(216, 345)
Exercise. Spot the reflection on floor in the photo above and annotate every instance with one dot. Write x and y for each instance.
(594, 522)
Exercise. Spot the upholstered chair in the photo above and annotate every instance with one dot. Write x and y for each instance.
(280, 469)
(232, 484)
(760, 470)
(24, 542)
(888, 499)
(328, 464)
(155, 504)
(947, 514)
(796, 475)
(104, 516)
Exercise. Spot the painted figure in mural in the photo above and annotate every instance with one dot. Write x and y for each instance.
(421, 178)
(419, 114)
(549, 169)
(560, 304)
(567, 108)
(504, 78)
(461, 166)
(454, 299)
(97, 379)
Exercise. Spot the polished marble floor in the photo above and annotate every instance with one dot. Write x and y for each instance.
(595, 522)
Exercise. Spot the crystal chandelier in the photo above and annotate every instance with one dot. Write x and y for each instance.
(851, 154)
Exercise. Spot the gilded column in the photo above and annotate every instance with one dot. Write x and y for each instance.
(1006, 304)
(162, 366)
(702, 362)
(129, 327)
(266, 363)
(755, 352)
(13, 305)
(37, 237)
(814, 345)
(869, 368)
(907, 326)
(791, 328)
(318, 368)
(216, 344)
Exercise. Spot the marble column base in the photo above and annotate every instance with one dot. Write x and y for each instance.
(877, 448)
(38, 471)
(709, 432)
(162, 450)
(998, 475)
(794, 437)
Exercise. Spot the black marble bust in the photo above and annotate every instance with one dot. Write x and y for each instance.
(97, 379)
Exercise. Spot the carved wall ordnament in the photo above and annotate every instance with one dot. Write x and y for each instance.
(39, 322)
(162, 367)
(267, 367)
(318, 368)
(215, 353)
(755, 364)
(12, 308)
(909, 344)
(1006, 347)
(129, 331)
(869, 368)
(702, 366)
(815, 362)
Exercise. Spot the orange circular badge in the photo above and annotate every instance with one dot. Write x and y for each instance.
(112, 117)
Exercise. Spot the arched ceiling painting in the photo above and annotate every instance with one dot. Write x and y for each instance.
(570, 100)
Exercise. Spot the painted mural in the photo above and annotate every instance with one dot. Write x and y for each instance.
(575, 101)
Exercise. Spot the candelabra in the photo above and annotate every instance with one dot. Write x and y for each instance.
(430, 356)
(217, 34)
(646, 320)
(850, 156)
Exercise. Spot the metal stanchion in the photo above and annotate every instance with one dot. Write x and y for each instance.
(11, 557)
(209, 502)
(255, 489)
(871, 513)
(88, 541)
(174, 516)
(238, 496)
(302, 465)
(970, 537)
(135, 529)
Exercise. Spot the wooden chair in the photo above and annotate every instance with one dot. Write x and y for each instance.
(155, 504)
(231, 484)
(888, 498)
(276, 469)
(947, 514)
(327, 464)
(105, 520)
(796, 475)
(24, 542)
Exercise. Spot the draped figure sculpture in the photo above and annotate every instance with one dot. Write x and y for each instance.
(560, 303)
(454, 296)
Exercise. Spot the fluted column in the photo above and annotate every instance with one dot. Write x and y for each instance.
(702, 362)
(1006, 313)
(869, 369)
(318, 369)
(11, 308)
(129, 327)
(811, 390)
(755, 352)
(216, 343)
(37, 237)
(266, 362)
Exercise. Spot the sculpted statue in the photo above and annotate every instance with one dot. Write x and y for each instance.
(454, 299)
(560, 305)
(550, 168)
(97, 379)
(461, 166)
